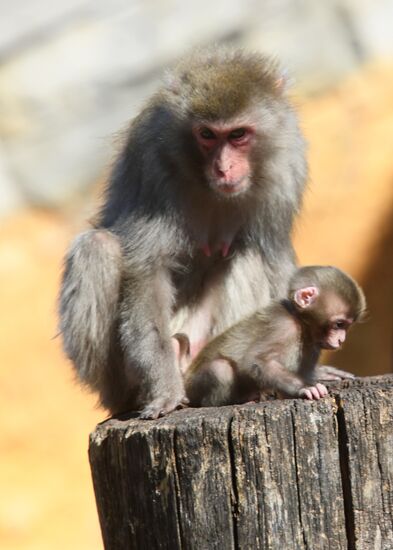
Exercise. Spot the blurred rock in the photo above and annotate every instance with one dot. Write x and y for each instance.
(11, 197)
(370, 24)
(308, 37)
(72, 75)
(70, 80)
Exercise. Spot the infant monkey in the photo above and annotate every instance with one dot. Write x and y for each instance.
(277, 348)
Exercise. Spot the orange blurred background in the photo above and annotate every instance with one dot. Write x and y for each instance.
(46, 495)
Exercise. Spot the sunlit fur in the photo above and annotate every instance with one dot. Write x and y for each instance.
(277, 347)
(177, 251)
(221, 84)
(330, 279)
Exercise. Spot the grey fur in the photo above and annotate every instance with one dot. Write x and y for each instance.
(123, 296)
(88, 309)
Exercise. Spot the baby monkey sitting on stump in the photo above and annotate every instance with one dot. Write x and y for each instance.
(277, 348)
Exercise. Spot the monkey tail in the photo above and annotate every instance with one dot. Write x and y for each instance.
(88, 302)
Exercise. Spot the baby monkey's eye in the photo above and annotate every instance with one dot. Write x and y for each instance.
(340, 324)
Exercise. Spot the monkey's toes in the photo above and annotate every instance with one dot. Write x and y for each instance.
(325, 372)
(314, 392)
(161, 407)
(306, 392)
(184, 402)
(149, 413)
(322, 389)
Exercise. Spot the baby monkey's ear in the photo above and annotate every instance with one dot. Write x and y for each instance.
(305, 297)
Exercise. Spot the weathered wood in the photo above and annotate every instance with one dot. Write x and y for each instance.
(281, 475)
(366, 420)
(281, 450)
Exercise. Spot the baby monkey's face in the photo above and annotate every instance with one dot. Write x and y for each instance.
(337, 322)
(327, 315)
(335, 333)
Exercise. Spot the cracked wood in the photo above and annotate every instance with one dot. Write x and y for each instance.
(279, 474)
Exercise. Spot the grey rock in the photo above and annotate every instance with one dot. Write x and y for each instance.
(72, 74)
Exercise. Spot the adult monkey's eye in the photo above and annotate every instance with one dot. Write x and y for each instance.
(237, 133)
(206, 133)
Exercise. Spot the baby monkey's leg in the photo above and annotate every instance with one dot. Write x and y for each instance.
(273, 375)
(212, 384)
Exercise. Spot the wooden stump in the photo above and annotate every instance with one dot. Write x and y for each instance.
(284, 475)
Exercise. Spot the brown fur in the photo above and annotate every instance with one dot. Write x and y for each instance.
(275, 348)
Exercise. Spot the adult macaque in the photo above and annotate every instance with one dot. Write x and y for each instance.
(194, 233)
(277, 347)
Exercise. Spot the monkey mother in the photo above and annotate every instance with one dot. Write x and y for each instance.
(194, 233)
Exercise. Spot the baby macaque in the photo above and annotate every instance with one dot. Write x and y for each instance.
(277, 348)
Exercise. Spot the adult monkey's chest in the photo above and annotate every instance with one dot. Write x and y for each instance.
(213, 227)
(194, 275)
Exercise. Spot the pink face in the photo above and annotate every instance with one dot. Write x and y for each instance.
(334, 333)
(226, 149)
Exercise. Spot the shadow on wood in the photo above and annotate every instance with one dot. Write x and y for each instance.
(290, 474)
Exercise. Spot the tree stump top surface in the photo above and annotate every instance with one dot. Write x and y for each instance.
(278, 474)
(130, 422)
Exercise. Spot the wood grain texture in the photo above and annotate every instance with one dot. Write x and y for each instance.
(366, 420)
(287, 474)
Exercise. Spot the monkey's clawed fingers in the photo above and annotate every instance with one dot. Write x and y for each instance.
(183, 403)
(325, 372)
(314, 392)
(161, 407)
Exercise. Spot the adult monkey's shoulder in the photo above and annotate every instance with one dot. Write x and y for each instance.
(213, 169)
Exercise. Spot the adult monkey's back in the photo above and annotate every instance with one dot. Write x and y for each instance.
(194, 233)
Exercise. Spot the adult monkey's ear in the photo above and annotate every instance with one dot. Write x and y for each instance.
(284, 81)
